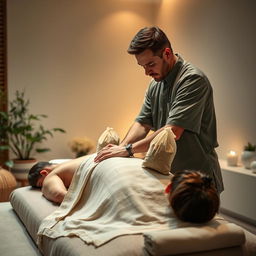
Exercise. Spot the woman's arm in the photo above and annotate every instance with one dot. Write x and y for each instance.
(56, 183)
(53, 188)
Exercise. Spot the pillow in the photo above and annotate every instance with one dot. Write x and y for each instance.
(109, 136)
(161, 152)
(193, 239)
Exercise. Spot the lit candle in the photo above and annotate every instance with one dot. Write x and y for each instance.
(232, 158)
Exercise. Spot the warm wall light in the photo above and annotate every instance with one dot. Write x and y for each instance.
(232, 158)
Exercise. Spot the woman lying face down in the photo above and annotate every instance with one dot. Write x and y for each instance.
(193, 196)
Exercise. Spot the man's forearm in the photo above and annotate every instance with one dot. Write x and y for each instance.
(137, 136)
(143, 145)
(137, 132)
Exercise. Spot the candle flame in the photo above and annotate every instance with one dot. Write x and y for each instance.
(233, 153)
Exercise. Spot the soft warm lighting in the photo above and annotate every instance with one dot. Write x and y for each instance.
(232, 153)
(232, 158)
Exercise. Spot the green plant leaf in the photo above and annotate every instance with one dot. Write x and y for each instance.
(33, 117)
(3, 115)
(250, 147)
(9, 163)
(42, 150)
(59, 130)
(4, 147)
(21, 130)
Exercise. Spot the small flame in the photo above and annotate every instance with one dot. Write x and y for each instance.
(232, 153)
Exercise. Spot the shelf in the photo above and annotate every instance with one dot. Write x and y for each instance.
(237, 169)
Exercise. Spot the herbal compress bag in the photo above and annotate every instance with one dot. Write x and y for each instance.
(109, 136)
(161, 152)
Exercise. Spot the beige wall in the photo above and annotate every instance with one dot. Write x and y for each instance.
(70, 56)
(219, 37)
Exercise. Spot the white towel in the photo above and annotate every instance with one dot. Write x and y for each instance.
(113, 198)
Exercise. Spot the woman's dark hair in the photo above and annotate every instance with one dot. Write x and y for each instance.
(152, 38)
(34, 173)
(193, 197)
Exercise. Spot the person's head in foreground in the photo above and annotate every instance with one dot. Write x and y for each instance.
(193, 196)
(38, 172)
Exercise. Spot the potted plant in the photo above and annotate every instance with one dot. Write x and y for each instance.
(81, 146)
(3, 103)
(21, 134)
(248, 155)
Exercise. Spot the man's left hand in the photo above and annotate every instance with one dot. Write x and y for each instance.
(111, 151)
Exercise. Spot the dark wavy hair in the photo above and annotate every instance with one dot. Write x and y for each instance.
(193, 197)
(152, 38)
(34, 173)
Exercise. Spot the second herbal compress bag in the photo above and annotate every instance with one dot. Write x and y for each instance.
(161, 152)
(109, 136)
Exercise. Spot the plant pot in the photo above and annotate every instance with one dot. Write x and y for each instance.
(7, 184)
(247, 158)
(253, 166)
(21, 168)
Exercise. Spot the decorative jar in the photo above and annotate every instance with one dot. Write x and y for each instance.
(247, 158)
(253, 166)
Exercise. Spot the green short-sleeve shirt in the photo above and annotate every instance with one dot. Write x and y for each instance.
(185, 98)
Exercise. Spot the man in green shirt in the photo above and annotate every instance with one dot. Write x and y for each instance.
(179, 97)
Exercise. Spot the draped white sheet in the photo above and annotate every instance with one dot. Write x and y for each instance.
(113, 198)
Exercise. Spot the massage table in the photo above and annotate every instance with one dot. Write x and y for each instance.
(20, 221)
(28, 207)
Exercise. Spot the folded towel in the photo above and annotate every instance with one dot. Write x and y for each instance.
(193, 239)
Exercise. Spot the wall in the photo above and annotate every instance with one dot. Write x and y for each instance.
(219, 37)
(71, 58)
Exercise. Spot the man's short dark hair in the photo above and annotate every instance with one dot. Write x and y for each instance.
(34, 173)
(152, 38)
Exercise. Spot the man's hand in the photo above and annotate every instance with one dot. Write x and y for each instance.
(111, 151)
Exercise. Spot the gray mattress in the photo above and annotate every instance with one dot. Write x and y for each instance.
(32, 207)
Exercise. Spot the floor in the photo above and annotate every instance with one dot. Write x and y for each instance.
(240, 222)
